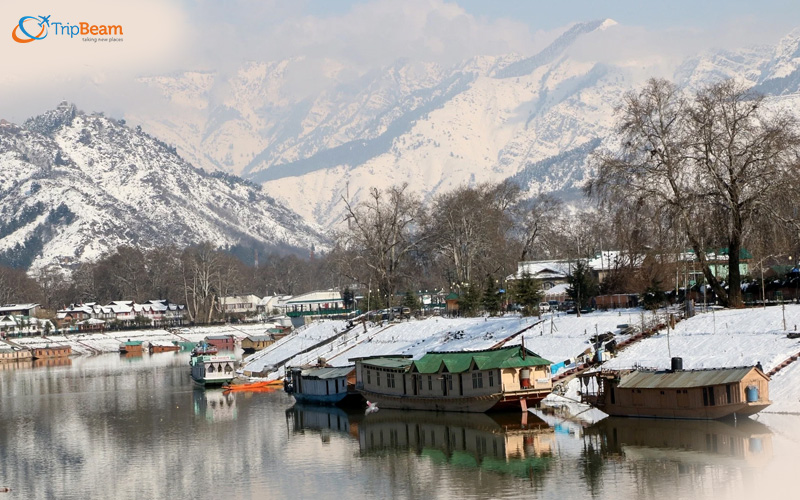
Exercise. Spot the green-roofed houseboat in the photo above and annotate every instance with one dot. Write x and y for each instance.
(505, 378)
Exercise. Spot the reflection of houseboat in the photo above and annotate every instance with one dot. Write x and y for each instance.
(213, 369)
(471, 381)
(163, 346)
(42, 362)
(131, 347)
(677, 393)
(489, 442)
(323, 419)
(323, 385)
(702, 442)
(61, 351)
(215, 405)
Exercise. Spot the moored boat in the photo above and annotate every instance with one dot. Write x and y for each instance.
(323, 385)
(213, 369)
(163, 346)
(259, 386)
(505, 378)
(131, 347)
(676, 393)
(48, 352)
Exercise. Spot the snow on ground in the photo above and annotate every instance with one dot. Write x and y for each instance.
(554, 337)
(727, 338)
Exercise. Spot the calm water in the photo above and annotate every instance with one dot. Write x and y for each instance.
(117, 428)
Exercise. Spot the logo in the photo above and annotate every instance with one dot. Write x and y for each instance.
(33, 28)
(44, 23)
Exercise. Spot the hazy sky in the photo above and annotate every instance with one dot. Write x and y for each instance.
(168, 36)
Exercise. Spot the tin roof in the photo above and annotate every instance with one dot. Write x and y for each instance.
(682, 379)
(458, 362)
(327, 373)
(388, 362)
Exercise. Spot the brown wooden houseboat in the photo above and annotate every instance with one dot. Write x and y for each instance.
(61, 351)
(677, 393)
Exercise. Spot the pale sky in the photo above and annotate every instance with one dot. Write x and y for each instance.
(169, 36)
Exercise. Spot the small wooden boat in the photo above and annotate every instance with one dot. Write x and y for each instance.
(271, 385)
(163, 346)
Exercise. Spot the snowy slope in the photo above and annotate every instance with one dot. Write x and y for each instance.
(78, 185)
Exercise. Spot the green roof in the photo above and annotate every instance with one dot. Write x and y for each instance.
(458, 362)
(451, 296)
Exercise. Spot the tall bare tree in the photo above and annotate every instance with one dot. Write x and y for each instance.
(713, 164)
(381, 232)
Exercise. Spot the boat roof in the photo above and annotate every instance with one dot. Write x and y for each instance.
(259, 338)
(391, 362)
(641, 379)
(327, 373)
(489, 359)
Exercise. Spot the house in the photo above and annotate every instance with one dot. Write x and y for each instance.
(19, 309)
(317, 303)
(221, 341)
(451, 302)
(253, 343)
(24, 325)
(548, 272)
(239, 304)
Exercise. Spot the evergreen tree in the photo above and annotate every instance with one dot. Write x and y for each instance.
(491, 297)
(470, 300)
(654, 296)
(582, 286)
(348, 298)
(410, 300)
(527, 293)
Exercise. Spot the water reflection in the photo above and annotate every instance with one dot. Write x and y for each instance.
(684, 441)
(323, 420)
(215, 405)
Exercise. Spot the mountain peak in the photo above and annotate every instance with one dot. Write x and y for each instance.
(52, 120)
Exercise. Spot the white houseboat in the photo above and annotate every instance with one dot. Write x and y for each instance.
(322, 385)
(213, 369)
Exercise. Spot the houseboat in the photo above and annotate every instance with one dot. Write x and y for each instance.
(221, 342)
(10, 354)
(131, 347)
(47, 352)
(163, 346)
(322, 385)
(212, 369)
(505, 378)
(253, 343)
(676, 393)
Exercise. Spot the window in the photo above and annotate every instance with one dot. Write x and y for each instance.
(430, 383)
(369, 378)
(477, 380)
(491, 378)
(390, 380)
(728, 393)
(450, 382)
(419, 382)
(378, 378)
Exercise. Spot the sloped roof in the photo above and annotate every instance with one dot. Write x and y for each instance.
(458, 362)
(682, 379)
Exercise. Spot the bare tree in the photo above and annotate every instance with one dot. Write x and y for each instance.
(469, 227)
(712, 165)
(536, 222)
(382, 230)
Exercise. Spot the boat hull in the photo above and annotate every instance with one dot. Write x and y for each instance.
(704, 413)
(474, 404)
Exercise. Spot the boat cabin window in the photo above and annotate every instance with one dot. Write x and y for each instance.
(369, 378)
(430, 383)
(491, 378)
(728, 393)
(390, 380)
(378, 378)
(477, 380)
(708, 396)
(210, 368)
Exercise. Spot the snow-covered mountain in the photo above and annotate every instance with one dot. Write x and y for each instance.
(77, 185)
(434, 127)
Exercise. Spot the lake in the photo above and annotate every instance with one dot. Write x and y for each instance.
(136, 427)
